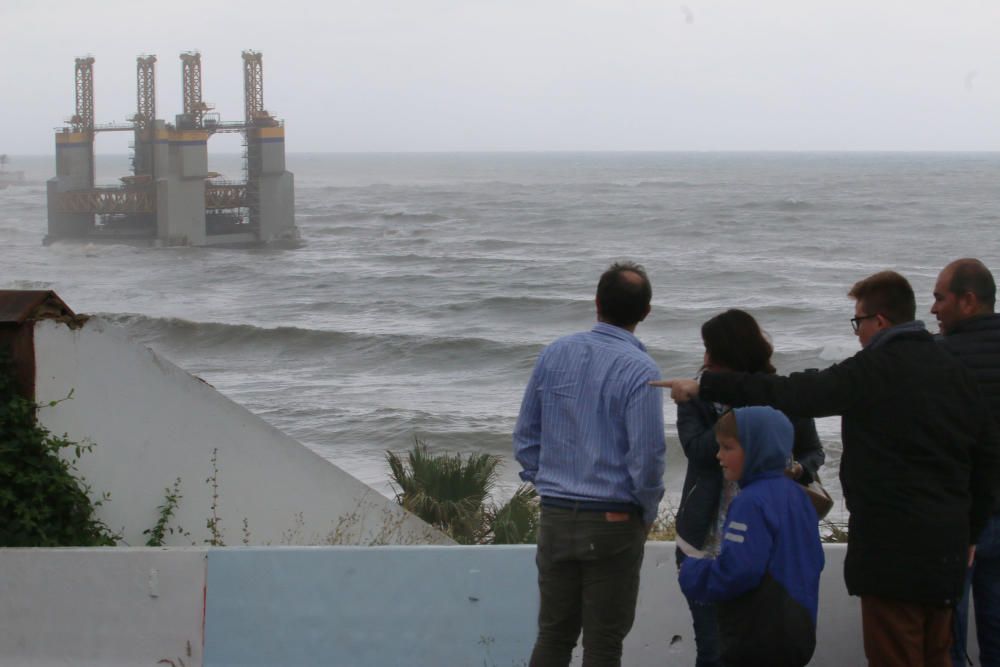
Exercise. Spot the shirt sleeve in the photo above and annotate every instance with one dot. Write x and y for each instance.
(646, 456)
(746, 546)
(528, 430)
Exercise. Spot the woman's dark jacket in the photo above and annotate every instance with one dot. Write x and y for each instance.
(920, 463)
(703, 482)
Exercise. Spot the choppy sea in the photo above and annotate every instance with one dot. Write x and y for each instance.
(428, 283)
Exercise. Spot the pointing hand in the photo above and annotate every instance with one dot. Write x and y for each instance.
(681, 390)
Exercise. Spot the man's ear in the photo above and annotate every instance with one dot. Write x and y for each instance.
(882, 321)
(968, 304)
(597, 305)
(646, 314)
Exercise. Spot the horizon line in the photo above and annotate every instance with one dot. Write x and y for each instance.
(715, 151)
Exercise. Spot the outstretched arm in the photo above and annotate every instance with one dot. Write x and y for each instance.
(832, 391)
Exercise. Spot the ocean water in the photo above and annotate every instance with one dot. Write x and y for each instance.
(428, 283)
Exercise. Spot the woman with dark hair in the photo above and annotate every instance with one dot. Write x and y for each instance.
(734, 342)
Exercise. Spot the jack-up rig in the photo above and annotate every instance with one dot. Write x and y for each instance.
(171, 198)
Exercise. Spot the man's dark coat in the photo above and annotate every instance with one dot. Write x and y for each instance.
(920, 463)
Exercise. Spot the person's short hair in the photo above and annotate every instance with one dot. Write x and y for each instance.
(888, 294)
(726, 426)
(734, 340)
(971, 275)
(622, 300)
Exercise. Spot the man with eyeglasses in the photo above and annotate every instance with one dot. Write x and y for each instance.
(964, 299)
(918, 469)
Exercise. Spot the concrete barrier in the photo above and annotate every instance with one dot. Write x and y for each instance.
(101, 607)
(422, 606)
(454, 607)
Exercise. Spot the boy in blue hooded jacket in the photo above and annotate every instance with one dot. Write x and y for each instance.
(766, 577)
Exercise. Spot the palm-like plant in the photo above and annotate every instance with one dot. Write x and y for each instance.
(445, 491)
(451, 493)
(517, 521)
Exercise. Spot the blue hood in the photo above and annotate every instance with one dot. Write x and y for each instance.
(766, 437)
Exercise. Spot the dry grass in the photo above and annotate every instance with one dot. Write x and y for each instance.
(665, 526)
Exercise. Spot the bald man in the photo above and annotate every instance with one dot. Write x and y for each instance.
(964, 298)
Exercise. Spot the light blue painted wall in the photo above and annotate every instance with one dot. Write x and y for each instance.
(448, 607)
(371, 607)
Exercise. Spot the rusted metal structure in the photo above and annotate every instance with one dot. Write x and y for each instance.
(145, 86)
(253, 87)
(194, 107)
(108, 201)
(18, 309)
(83, 120)
(145, 114)
(171, 197)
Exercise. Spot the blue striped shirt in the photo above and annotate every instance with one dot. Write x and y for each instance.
(591, 427)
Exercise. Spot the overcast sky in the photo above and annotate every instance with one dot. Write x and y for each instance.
(513, 75)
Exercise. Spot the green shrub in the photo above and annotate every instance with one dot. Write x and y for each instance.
(42, 501)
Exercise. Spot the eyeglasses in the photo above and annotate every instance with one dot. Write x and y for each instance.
(856, 321)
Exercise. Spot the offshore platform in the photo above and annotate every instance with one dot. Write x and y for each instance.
(171, 198)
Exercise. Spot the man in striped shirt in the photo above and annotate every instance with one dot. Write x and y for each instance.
(590, 438)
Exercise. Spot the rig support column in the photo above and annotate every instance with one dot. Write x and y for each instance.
(74, 158)
(270, 188)
(180, 160)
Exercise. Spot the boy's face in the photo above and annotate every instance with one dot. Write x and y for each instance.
(730, 458)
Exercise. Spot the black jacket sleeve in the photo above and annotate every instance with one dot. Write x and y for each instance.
(985, 481)
(833, 391)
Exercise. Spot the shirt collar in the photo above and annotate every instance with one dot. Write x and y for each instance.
(617, 332)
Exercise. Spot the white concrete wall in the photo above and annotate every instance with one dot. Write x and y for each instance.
(337, 606)
(152, 422)
(101, 607)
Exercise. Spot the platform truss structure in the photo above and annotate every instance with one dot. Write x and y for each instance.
(137, 195)
(142, 199)
(83, 120)
(194, 107)
(145, 92)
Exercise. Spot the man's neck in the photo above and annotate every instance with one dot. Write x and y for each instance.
(630, 328)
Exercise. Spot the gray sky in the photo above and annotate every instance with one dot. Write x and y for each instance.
(445, 75)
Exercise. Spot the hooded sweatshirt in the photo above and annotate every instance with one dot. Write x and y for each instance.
(766, 578)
